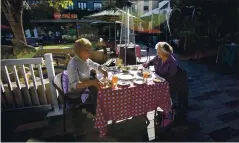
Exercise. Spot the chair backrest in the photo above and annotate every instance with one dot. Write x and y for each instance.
(57, 83)
(178, 81)
(61, 81)
(65, 81)
(182, 80)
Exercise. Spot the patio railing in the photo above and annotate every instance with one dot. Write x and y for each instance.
(21, 89)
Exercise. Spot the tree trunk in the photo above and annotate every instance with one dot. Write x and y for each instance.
(17, 28)
(14, 17)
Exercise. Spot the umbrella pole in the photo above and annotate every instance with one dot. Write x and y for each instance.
(109, 31)
(127, 33)
(159, 26)
(167, 21)
(125, 42)
(121, 31)
(115, 35)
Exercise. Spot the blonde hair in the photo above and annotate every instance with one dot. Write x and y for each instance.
(82, 42)
(166, 48)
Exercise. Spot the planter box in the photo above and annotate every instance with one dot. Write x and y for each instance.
(97, 56)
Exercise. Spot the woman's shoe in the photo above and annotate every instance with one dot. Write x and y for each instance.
(90, 116)
(84, 111)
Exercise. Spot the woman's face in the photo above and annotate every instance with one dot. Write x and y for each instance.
(85, 53)
(160, 52)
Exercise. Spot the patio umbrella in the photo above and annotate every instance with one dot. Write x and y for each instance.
(159, 15)
(111, 15)
(107, 22)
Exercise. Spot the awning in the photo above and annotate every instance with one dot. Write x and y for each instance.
(105, 22)
(5, 27)
(62, 21)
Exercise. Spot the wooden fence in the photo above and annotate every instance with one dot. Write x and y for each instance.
(21, 89)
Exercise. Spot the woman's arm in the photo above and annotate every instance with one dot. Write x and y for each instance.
(150, 63)
(88, 83)
(74, 79)
(97, 67)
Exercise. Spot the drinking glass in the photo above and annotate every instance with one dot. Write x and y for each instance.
(115, 80)
(145, 75)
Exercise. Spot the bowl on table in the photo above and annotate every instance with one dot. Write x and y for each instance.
(124, 83)
(134, 68)
(125, 69)
(158, 79)
(139, 81)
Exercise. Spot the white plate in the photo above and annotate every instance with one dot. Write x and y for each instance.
(139, 81)
(134, 68)
(159, 79)
(123, 83)
(126, 76)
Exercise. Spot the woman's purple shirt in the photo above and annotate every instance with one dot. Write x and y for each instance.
(166, 69)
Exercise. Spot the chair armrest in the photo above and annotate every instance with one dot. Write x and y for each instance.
(74, 93)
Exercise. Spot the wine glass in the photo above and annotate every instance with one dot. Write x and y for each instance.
(115, 80)
(145, 75)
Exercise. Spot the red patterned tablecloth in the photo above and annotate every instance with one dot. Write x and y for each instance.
(129, 102)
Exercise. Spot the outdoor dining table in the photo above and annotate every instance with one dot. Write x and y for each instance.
(134, 100)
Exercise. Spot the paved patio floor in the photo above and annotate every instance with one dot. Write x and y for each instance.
(213, 116)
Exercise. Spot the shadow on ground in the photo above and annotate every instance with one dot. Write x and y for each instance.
(24, 126)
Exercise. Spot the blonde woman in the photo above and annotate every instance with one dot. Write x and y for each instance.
(79, 68)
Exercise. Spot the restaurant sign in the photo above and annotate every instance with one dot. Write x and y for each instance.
(65, 16)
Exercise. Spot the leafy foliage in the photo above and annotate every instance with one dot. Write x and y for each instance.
(112, 4)
(58, 4)
(41, 11)
(204, 17)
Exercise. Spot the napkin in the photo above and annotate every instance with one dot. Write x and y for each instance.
(85, 96)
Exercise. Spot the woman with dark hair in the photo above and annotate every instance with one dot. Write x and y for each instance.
(164, 63)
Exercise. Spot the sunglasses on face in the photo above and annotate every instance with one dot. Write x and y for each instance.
(87, 50)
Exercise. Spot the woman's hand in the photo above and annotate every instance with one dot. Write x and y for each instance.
(105, 73)
(97, 84)
(145, 65)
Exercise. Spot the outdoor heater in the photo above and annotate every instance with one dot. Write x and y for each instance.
(127, 37)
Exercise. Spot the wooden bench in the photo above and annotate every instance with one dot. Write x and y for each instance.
(21, 95)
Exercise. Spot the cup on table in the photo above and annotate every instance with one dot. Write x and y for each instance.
(115, 79)
(145, 75)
